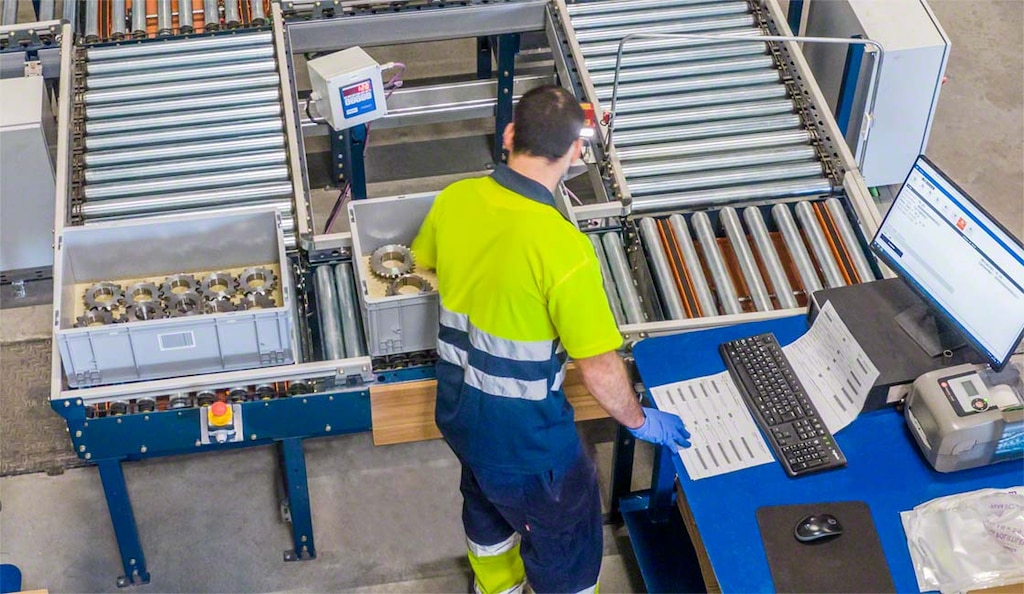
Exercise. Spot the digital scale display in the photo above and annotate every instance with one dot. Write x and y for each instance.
(357, 99)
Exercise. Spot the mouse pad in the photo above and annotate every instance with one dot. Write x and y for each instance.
(850, 562)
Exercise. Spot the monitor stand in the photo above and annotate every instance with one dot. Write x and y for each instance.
(932, 333)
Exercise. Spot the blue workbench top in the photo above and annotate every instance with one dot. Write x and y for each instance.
(885, 469)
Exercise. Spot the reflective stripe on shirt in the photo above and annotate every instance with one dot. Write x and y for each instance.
(498, 366)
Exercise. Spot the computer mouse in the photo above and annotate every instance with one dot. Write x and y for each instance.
(816, 527)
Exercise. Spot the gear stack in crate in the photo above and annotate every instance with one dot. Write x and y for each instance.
(180, 295)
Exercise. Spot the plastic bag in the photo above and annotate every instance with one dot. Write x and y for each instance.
(968, 541)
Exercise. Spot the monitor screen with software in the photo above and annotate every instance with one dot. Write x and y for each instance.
(966, 266)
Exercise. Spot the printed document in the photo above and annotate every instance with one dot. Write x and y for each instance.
(835, 371)
(722, 431)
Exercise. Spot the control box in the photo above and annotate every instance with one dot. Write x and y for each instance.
(347, 88)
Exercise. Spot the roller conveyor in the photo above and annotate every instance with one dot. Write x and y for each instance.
(694, 83)
(181, 125)
(677, 55)
(229, 146)
(686, 98)
(104, 20)
(703, 99)
(94, 113)
(725, 177)
(725, 160)
(759, 260)
(730, 127)
(733, 196)
(179, 89)
(237, 54)
(727, 186)
(260, 111)
(615, 33)
(695, 115)
(595, 51)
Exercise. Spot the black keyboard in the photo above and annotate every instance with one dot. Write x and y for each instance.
(780, 405)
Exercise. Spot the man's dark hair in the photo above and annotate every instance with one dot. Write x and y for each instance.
(547, 121)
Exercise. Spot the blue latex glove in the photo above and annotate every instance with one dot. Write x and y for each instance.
(662, 428)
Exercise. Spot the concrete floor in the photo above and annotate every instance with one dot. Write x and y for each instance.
(387, 518)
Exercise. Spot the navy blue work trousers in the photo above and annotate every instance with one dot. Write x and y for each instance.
(557, 514)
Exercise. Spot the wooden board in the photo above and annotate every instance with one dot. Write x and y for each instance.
(404, 412)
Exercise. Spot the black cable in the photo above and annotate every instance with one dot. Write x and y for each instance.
(309, 115)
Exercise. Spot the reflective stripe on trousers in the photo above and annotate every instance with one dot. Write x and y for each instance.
(498, 565)
(498, 568)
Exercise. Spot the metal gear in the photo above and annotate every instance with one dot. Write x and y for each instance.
(94, 317)
(179, 284)
(392, 261)
(409, 280)
(145, 310)
(103, 296)
(218, 285)
(257, 280)
(184, 304)
(257, 301)
(140, 293)
(212, 306)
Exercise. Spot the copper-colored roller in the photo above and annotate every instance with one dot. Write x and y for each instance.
(839, 249)
(679, 274)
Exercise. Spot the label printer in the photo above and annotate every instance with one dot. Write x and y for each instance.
(967, 416)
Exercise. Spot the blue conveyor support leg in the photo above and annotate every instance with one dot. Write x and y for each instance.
(348, 149)
(483, 58)
(123, 518)
(663, 484)
(622, 467)
(508, 47)
(796, 10)
(848, 86)
(293, 460)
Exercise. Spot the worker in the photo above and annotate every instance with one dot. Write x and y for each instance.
(520, 291)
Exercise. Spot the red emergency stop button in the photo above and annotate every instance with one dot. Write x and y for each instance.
(219, 414)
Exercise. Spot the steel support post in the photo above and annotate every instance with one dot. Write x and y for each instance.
(347, 156)
(507, 47)
(848, 86)
(483, 58)
(622, 468)
(293, 461)
(123, 519)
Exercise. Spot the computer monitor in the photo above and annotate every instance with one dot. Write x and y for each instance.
(966, 266)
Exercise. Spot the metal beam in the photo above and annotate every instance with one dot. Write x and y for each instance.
(426, 24)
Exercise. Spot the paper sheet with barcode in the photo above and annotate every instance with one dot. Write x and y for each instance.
(833, 368)
(722, 431)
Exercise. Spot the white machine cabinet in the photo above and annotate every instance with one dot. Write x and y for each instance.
(916, 51)
(26, 175)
